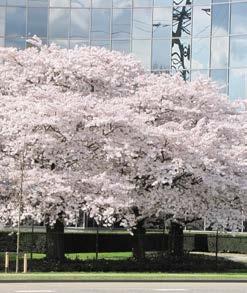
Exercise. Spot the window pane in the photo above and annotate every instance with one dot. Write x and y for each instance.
(142, 50)
(161, 56)
(122, 46)
(80, 3)
(181, 21)
(101, 3)
(106, 44)
(121, 23)
(1, 42)
(219, 52)
(59, 3)
(2, 21)
(162, 3)
(122, 4)
(59, 23)
(80, 21)
(162, 22)
(16, 2)
(194, 74)
(61, 43)
(38, 3)
(219, 1)
(180, 54)
(238, 49)
(201, 2)
(143, 3)
(238, 18)
(181, 2)
(101, 23)
(17, 43)
(238, 83)
(142, 23)
(2, 2)
(37, 22)
(220, 17)
(16, 21)
(79, 43)
(220, 76)
(200, 53)
(201, 21)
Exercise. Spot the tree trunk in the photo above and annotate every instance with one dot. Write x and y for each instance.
(139, 242)
(55, 241)
(176, 240)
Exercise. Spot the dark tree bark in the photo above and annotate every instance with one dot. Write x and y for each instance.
(139, 242)
(55, 241)
(176, 240)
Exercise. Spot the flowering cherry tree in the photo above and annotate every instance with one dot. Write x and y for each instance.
(88, 130)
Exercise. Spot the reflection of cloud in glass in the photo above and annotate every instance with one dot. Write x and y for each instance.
(238, 49)
(201, 21)
(101, 3)
(238, 83)
(220, 19)
(2, 21)
(219, 52)
(142, 50)
(200, 53)
(122, 4)
(80, 3)
(59, 23)
(238, 18)
(80, 23)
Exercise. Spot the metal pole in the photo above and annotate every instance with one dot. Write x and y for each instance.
(6, 262)
(25, 263)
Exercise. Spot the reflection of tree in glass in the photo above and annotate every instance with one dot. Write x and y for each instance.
(181, 27)
(182, 2)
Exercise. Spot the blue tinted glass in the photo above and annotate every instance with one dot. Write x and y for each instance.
(59, 3)
(15, 42)
(219, 52)
(161, 55)
(121, 23)
(122, 46)
(181, 51)
(80, 21)
(64, 44)
(122, 4)
(37, 22)
(2, 21)
(59, 23)
(162, 22)
(143, 3)
(203, 73)
(181, 2)
(38, 3)
(142, 50)
(79, 43)
(98, 43)
(220, 17)
(101, 23)
(201, 21)
(220, 76)
(200, 53)
(16, 2)
(238, 18)
(238, 83)
(2, 2)
(162, 3)
(80, 3)
(101, 3)
(142, 23)
(16, 21)
(201, 2)
(238, 49)
(181, 21)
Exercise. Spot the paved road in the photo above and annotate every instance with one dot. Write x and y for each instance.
(123, 287)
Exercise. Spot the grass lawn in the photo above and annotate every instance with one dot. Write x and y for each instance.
(122, 276)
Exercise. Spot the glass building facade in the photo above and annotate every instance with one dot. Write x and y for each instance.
(194, 37)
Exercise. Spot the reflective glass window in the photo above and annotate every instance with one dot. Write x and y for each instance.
(238, 18)
(79, 43)
(16, 2)
(101, 3)
(181, 54)
(122, 46)
(220, 19)
(122, 4)
(2, 2)
(101, 23)
(16, 21)
(181, 2)
(201, 21)
(80, 23)
(220, 76)
(143, 3)
(238, 49)
(38, 3)
(104, 43)
(181, 21)
(219, 52)
(142, 23)
(61, 43)
(201, 2)
(80, 3)
(162, 3)
(59, 3)
(59, 23)
(37, 22)
(161, 54)
(142, 50)
(200, 53)
(162, 22)
(18, 43)
(121, 23)
(1, 42)
(203, 73)
(2, 21)
(219, 1)
(238, 83)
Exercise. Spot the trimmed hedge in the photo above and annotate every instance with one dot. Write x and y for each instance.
(86, 242)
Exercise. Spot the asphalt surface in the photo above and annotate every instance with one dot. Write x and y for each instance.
(123, 287)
